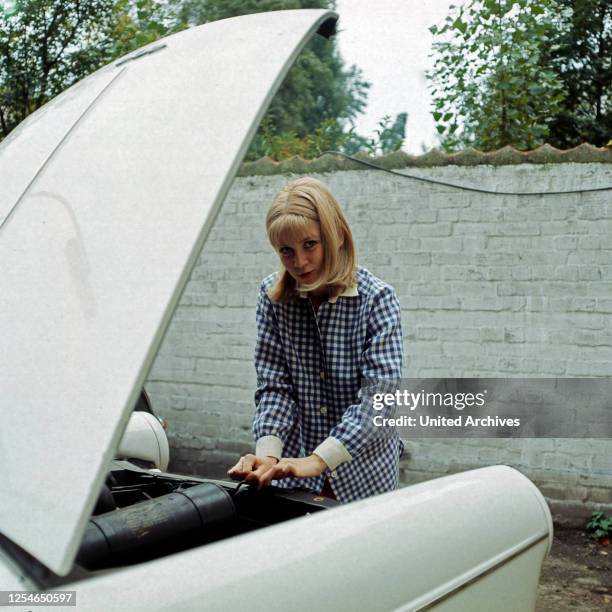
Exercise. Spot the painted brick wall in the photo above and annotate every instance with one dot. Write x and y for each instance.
(490, 286)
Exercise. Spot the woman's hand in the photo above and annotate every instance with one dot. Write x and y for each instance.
(300, 467)
(251, 467)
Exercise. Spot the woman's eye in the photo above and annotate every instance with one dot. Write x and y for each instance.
(285, 251)
(310, 244)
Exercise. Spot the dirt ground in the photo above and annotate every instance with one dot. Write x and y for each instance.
(577, 575)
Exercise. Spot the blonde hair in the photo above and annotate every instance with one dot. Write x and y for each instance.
(301, 201)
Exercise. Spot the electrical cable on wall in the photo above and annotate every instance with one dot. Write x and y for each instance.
(463, 187)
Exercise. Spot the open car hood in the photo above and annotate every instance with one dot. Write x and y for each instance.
(107, 195)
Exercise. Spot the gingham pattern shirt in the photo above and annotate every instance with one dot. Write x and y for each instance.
(310, 369)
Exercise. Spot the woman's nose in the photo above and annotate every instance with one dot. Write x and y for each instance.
(300, 259)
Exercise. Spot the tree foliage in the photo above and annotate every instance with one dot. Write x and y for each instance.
(388, 137)
(46, 46)
(490, 83)
(581, 55)
(39, 56)
(391, 135)
(523, 72)
(318, 90)
(136, 23)
(330, 135)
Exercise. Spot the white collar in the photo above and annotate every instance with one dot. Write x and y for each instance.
(348, 292)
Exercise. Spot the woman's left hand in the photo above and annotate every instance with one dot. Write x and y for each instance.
(299, 467)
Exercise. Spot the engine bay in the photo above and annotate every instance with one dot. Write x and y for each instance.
(145, 514)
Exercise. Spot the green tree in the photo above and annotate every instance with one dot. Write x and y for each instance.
(330, 135)
(39, 56)
(389, 136)
(46, 46)
(136, 23)
(318, 89)
(581, 54)
(491, 85)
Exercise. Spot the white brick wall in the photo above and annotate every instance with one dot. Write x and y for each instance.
(490, 286)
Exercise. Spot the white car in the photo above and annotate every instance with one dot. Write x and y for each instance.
(107, 195)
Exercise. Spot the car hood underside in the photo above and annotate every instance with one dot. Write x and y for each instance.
(108, 195)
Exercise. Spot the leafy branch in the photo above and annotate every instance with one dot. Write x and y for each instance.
(489, 83)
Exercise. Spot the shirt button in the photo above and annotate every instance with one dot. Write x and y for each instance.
(323, 410)
(322, 375)
(334, 474)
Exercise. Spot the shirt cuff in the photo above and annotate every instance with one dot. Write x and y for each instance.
(333, 452)
(269, 446)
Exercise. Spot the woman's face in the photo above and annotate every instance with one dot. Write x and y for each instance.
(303, 256)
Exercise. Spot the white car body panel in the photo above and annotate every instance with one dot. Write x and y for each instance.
(25, 151)
(108, 194)
(411, 549)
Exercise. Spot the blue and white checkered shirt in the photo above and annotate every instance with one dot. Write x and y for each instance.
(310, 369)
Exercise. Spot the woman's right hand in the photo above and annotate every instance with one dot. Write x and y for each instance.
(251, 468)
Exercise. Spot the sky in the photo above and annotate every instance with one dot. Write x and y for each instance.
(390, 41)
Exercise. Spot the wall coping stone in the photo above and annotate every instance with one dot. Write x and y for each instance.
(584, 153)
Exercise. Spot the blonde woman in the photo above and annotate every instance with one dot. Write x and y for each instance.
(324, 326)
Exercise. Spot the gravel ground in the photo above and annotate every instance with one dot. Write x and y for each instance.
(577, 575)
